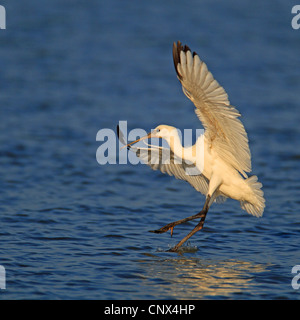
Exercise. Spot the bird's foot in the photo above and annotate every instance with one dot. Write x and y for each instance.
(174, 249)
(164, 229)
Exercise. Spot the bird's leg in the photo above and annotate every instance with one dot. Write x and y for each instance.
(176, 223)
(214, 184)
(198, 227)
(171, 225)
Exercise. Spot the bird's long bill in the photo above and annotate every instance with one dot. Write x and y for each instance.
(145, 137)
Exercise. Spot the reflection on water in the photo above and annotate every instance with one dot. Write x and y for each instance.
(196, 278)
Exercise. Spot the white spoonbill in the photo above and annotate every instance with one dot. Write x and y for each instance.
(226, 151)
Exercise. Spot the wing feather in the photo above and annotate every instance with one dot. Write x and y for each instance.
(223, 129)
(156, 158)
(175, 167)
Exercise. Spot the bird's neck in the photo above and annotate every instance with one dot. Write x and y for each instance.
(192, 153)
(175, 144)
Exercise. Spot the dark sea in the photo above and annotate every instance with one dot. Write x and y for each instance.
(74, 229)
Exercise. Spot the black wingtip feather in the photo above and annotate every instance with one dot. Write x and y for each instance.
(118, 132)
(176, 57)
(121, 137)
(186, 48)
(177, 48)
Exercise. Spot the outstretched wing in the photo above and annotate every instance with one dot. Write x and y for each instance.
(163, 159)
(224, 132)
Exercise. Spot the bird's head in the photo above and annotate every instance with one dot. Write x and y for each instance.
(162, 131)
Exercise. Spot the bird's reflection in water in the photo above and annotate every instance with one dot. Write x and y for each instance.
(194, 278)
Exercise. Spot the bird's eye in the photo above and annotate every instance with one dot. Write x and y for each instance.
(157, 130)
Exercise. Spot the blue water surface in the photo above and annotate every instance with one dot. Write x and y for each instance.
(74, 229)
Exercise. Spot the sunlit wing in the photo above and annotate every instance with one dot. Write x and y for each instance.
(224, 132)
(163, 159)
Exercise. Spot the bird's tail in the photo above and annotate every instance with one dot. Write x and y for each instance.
(256, 205)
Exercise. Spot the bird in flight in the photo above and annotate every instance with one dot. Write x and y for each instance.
(225, 150)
